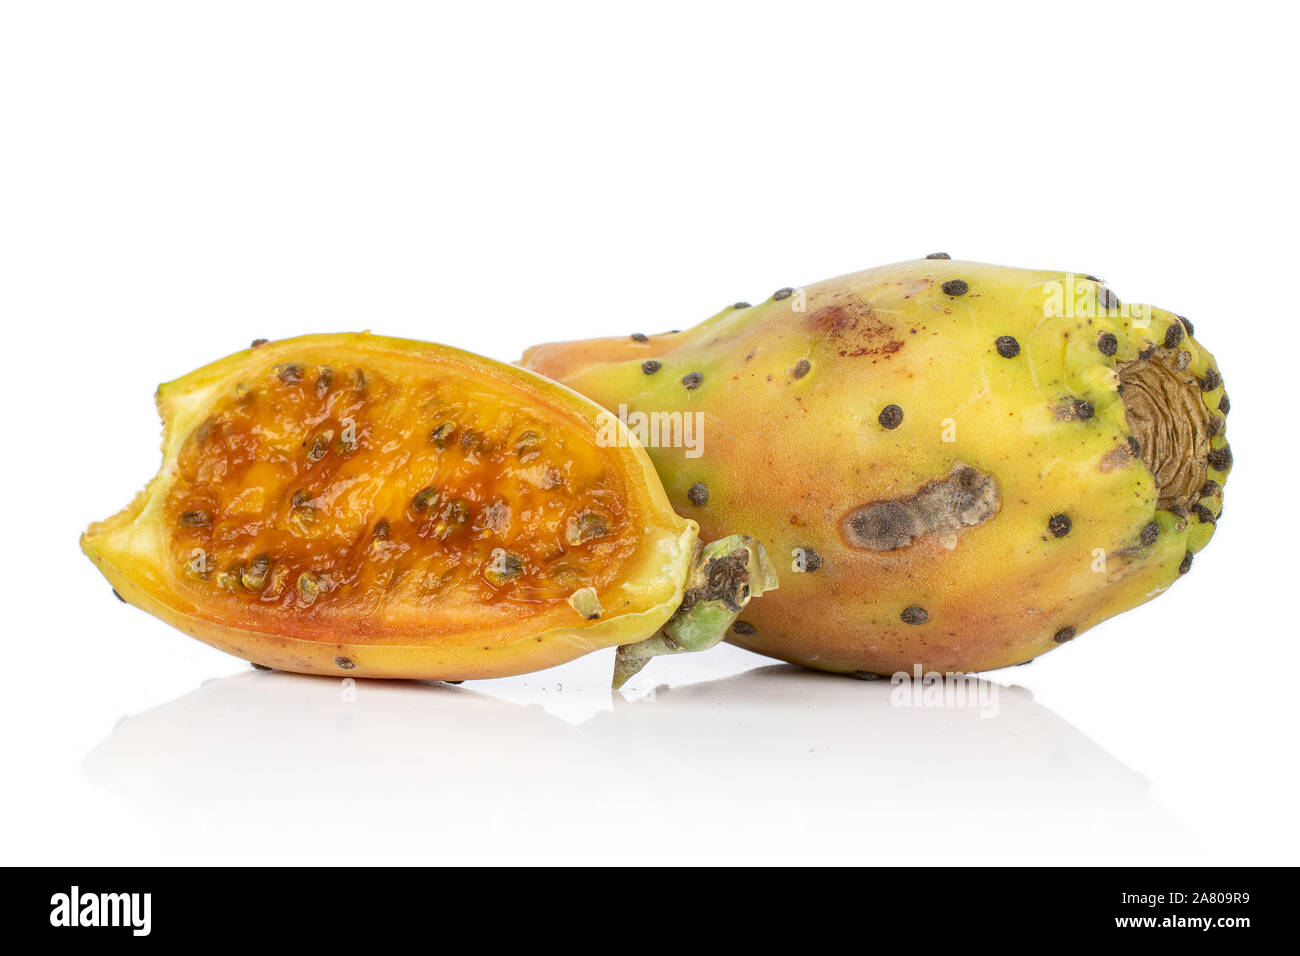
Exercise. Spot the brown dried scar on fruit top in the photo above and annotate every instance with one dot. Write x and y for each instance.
(1167, 415)
(964, 499)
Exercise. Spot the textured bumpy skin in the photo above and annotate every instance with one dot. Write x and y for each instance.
(374, 507)
(963, 465)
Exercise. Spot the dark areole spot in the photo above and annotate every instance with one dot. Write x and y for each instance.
(1107, 344)
(1150, 532)
(698, 494)
(914, 615)
(1220, 459)
(1173, 335)
(811, 560)
(1059, 525)
(1065, 634)
(1083, 409)
(743, 628)
(955, 287)
(891, 416)
(1007, 346)
(938, 255)
(1186, 564)
(785, 293)
(650, 366)
(640, 337)
(692, 380)
(801, 368)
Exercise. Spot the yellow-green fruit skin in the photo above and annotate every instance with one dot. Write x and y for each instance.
(1007, 380)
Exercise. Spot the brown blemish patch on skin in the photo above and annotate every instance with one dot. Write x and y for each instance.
(1119, 457)
(855, 329)
(1166, 414)
(945, 506)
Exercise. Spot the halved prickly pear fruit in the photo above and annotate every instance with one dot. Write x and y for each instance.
(373, 507)
(962, 465)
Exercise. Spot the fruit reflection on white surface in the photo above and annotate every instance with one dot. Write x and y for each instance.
(773, 763)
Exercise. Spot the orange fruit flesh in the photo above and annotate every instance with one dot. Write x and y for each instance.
(338, 495)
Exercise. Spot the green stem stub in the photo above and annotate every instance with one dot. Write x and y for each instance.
(726, 574)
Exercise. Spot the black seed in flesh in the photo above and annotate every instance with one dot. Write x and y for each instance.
(955, 287)
(454, 516)
(1065, 634)
(308, 585)
(1150, 532)
(938, 255)
(586, 527)
(1107, 344)
(1220, 459)
(301, 498)
(1083, 409)
(650, 366)
(196, 519)
(1173, 335)
(1007, 346)
(785, 293)
(743, 628)
(1186, 564)
(807, 559)
(640, 337)
(741, 305)
(801, 368)
(503, 566)
(1211, 381)
(319, 446)
(527, 443)
(698, 494)
(1059, 525)
(914, 615)
(1203, 513)
(289, 374)
(692, 380)
(254, 576)
(344, 663)
(324, 377)
(381, 529)
(891, 416)
(440, 434)
(423, 499)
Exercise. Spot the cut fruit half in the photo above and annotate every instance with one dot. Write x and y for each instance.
(356, 505)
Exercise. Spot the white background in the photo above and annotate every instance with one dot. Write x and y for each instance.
(177, 179)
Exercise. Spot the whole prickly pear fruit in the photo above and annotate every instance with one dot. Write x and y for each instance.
(965, 465)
